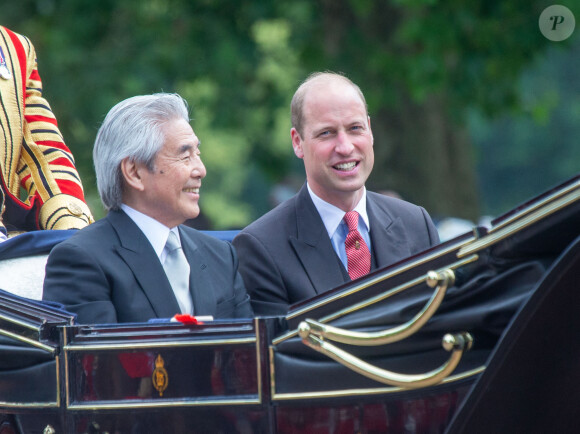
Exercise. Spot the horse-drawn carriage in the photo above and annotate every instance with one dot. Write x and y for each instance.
(473, 335)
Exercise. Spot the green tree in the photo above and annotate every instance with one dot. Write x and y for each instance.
(424, 65)
(231, 60)
(524, 154)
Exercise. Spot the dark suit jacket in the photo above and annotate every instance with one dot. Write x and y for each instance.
(109, 272)
(286, 255)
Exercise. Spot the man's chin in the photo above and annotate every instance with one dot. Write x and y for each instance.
(350, 186)
(193, 215)
(190, 213)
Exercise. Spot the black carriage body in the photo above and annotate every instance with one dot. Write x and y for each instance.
(213, 378)
(277, 375)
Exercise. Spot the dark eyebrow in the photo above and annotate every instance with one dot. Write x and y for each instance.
(185, 148)
(316, 132)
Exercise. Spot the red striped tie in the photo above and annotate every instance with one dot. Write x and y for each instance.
(357, 252)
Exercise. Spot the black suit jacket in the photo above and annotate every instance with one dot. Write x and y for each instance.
(109, 272)
(286, 256)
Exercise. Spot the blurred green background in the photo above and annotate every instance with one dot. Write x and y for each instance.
(473, 110)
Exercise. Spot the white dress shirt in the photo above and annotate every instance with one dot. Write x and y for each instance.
(333, 219)
(155, 232)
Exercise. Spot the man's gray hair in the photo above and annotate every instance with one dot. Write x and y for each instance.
(297, 104)
(132, 129)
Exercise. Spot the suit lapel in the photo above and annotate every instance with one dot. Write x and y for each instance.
(200, 282)
(313, 247)
(141, 258)
(386, 239)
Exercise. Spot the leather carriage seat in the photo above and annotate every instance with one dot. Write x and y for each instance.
(23, 259)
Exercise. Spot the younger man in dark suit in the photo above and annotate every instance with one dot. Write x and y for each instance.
(121, 268)
(332, 230)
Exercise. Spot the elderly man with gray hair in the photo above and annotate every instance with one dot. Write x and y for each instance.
(140, 262)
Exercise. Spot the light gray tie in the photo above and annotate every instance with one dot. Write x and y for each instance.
(177, 270)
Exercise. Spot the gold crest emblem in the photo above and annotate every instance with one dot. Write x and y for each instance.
(160, 378)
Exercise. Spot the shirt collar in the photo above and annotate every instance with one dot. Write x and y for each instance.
(333, 216)
(155, 231)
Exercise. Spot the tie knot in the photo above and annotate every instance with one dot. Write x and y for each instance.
(351, 219)
(172, 242)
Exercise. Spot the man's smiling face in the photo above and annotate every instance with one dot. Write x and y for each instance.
(336, 144)
(171, 189)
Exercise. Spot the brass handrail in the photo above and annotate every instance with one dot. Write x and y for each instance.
(457, 343)
(441, 281)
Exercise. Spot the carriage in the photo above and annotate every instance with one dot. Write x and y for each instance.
(473, 335)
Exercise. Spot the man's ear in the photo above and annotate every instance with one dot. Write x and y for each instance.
(296, 143)
(132, 173)
(371, 131)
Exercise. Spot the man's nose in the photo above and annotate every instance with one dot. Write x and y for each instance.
(199, 170)
(343, 143)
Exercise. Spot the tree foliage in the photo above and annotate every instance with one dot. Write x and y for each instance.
(537, 148)
(424, 65)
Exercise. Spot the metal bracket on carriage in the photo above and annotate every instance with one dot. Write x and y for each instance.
(313, 335)
(438, 280)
